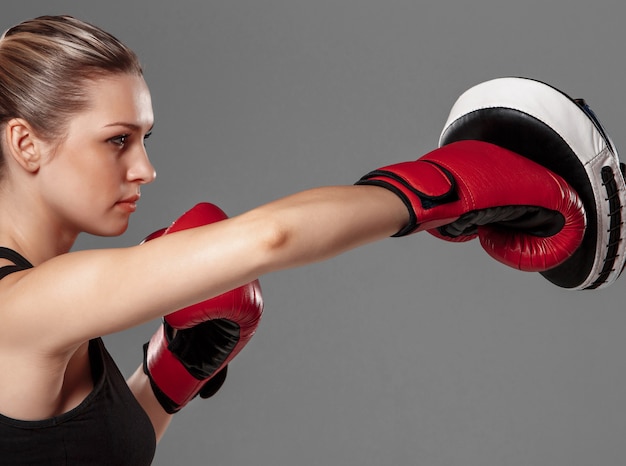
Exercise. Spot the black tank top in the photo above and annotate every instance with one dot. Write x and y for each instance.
(108, 428)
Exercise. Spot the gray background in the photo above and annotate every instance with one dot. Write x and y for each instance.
(409, 351)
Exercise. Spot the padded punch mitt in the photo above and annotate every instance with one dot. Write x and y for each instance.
(563, 134)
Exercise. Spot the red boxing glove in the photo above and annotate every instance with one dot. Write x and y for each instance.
(526, 216)
(189, 354)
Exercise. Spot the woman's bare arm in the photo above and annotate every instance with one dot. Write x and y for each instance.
(85, 294)
(139, 384)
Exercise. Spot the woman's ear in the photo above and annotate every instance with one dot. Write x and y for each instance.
(22, 144)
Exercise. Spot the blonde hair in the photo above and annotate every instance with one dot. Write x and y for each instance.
(44, 64)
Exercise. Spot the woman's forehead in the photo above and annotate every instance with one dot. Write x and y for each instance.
(121, 98)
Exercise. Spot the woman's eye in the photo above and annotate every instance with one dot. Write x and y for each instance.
(147, 136)
(119, 140)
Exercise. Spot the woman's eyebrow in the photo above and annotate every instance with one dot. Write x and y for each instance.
(131, 126)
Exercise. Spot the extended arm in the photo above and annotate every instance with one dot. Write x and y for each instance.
(109, 290)
(477, 183)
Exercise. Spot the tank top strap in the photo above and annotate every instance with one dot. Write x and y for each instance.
(19, 261)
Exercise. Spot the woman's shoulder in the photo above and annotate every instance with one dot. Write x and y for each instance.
(12, 266)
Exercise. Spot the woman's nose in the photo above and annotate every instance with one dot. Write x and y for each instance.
(141, 168)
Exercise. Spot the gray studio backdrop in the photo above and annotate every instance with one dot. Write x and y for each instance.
(410, 351)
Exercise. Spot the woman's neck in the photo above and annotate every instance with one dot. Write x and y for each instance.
(27, 230)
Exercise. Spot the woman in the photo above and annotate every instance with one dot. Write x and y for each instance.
(74, 114)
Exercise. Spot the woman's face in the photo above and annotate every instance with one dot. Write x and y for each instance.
(90, 182)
